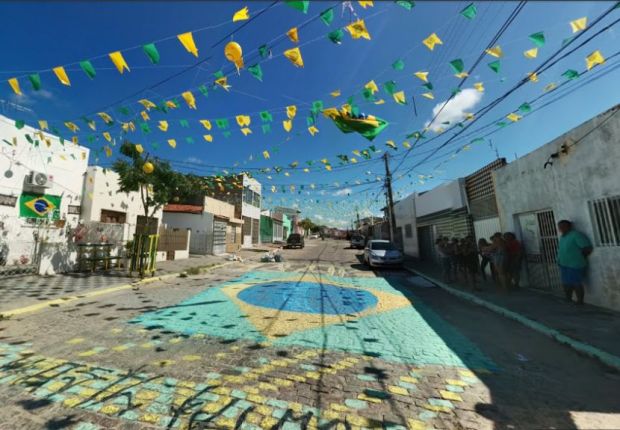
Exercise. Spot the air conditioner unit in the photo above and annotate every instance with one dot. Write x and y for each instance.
(38, 179)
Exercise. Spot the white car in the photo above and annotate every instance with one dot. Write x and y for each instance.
(358, 241)
(314, 236)
(382, 253)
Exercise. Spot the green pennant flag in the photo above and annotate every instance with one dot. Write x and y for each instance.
(336, 36)
(204, 90)
(155, 145)
(309, 121)
(28, 138)
(398, 65)
(189, 140)
(501, 124)
(567, 40)
(266, 128)
(256, 71)
(266, 116)
(455, 91)
(35, 80)
(184, 123)
(428, 86)
(537, 39)
(327, 16)
(90, 138)
(470, 11)
(123, 110)
(19, 124)
(407, 4)
(88, 68)
(145, 127)
(477, 140)
(221, 123)
(525, 107)
(571, 74)
(263, 51)
(389, 87)
(367, 94)
(495, 66)
(457, 65)
(317, 106)
(300, 5)
(226, 133)
(151, 51)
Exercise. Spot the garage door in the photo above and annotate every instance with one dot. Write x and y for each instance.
(219, 237)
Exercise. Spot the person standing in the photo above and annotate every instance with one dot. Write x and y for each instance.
(573, 251)
(514, 257)
(485, 259)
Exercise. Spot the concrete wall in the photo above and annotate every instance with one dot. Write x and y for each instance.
(448, 196)
(405, 214)
(198, 223)
(589, 170)
(219, 208)
(67, 164)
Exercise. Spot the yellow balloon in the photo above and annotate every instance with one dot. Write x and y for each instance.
(148, 167)
(234, 54)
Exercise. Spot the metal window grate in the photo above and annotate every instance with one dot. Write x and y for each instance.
(605, 216)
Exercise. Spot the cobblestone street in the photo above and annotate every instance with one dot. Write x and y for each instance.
(317, 341)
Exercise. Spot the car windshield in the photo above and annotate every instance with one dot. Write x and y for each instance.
(357, 238)
(382, 246)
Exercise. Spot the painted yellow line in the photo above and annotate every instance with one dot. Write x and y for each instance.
(96, 293)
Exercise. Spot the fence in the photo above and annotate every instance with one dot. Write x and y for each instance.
(201, 243)
(172, 240)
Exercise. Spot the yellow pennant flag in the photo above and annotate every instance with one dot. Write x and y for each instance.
(531, 53)
(206, 123)
(328, 167)
(119, 61)
(335, 93)
(549, 87)
(293, 35)
(291, 111)
(108, 151)
(92, 125)
(163, 125)
(148, 105)
(287, 124)
(75, 140)
(243, 120)
(294, 56)
(273, 188)
(145, 116)
(61, 74)
(513, 117)
(406, 144)
(495, 52)
(579, 24)
(187, 40)
(390, 143)
(422, 75)
(43, 124)
(105, 117)
(533, 76)
(479, 86)
(357, 152)
(428, 96)
(594, 58)
(241, 15)
(366, 3)
(83, 155)
(208, 137)
(399, 97)
(14, 83)
(431, 41)
(380, 102)
(462, 75)
(139, 148)
(172, 143)
(353, 160)
(358, 30)
(107, 136)
(313, 130)
(128, 126)
(372, 86)
(266, 155)
(170, 104)
(72, 126)
(223, 82)
(246, 131)
(189, 99)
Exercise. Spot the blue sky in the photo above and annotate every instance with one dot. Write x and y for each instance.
(48, 34)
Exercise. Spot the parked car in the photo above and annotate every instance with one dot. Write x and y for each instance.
(358, 241)
(295, 241)
(382, 253)
(314, 236)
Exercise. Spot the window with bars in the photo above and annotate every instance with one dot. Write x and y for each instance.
(605, 216)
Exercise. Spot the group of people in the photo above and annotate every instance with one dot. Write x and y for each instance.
(463, 257)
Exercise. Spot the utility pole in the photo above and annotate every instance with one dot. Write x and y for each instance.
(390, 202)
(358, 216)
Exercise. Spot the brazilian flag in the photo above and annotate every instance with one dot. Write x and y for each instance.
(39, 206)
(368, 126)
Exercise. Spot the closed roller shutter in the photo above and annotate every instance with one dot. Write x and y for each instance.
(219, 236)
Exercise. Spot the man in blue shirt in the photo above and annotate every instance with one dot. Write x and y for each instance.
(573, 251)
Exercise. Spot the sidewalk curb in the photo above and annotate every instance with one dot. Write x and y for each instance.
(60, 301)
(581, 347)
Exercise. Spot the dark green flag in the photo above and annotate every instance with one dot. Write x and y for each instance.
(390, 87)
(256, 71)
(407, 4)
(457, 65)
(204, 90)
(266, 128)
(571, 74)
(266, 116)
(145, 127)
(263, 51)
(398, 65)
(495, 66)
(327, 16)
(336, 36)
(184, 123)
(470, 11)
(19, 124)
(88, 68)
(35, 80)
(300, 5)
(189, 140)
(124, 110)
(221, 123)
(525, 107)
(537, 39)
(428, 86)
(151, 51)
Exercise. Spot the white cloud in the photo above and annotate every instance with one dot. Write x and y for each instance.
(343, 192)
(454, 110)
(28, 99)
(319, 217)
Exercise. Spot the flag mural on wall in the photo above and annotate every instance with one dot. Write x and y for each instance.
(39, 206)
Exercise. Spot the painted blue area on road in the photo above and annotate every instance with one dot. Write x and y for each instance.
(308, 297)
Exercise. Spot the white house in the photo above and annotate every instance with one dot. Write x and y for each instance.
(573, 177)
(404, 214)
(40, 196)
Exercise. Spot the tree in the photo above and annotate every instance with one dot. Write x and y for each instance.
(307, 224)
(157, 187)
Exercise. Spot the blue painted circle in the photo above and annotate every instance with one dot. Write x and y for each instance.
(308, 297)
(41, 205)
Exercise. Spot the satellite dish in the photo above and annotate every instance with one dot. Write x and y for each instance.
(8, 173)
